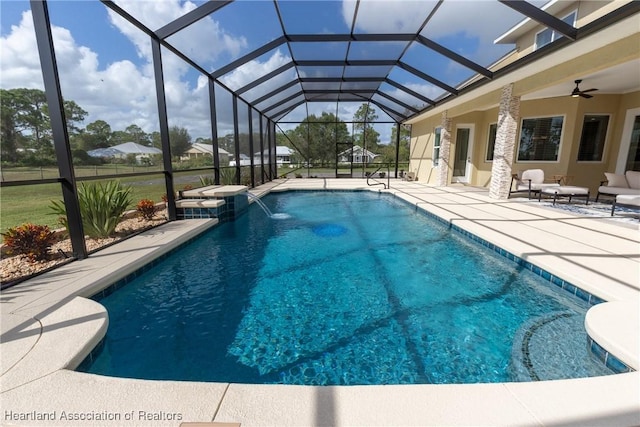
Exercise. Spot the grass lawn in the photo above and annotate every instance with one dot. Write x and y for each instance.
(30, 203)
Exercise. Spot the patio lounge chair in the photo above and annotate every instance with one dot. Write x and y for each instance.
(616, 184)
(530, 181)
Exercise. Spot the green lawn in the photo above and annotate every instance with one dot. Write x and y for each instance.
(30, 203)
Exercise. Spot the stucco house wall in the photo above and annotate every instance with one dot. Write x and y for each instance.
(480, 107)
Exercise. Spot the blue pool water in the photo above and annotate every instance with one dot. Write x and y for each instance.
(351, 288)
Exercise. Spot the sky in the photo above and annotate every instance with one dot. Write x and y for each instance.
(105, 63)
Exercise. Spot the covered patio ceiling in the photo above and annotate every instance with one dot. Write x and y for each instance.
(404, 57)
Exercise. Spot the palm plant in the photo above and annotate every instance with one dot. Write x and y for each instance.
(206, 180)
(101, 207)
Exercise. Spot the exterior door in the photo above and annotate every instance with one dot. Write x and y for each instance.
(462, 156)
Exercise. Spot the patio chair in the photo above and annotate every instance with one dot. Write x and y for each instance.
(530, 181)
(411, 176)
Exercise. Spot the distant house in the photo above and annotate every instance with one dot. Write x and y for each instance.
(121, 151)
(356, 154)
(244, 161)
(283, 156)
(197, 149)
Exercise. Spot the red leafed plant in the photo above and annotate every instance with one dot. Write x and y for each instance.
(32, 240)
(146, 208)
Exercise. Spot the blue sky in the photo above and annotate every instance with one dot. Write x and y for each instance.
(105, 62)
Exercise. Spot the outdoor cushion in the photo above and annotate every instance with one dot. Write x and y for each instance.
(535, 175)
(566, 190)
(616, 180)
(628, 199)
(633, 179)
(605, 189)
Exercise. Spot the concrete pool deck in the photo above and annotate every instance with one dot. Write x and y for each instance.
(49, 326)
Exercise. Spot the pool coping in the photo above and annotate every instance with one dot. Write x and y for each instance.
(38, 383)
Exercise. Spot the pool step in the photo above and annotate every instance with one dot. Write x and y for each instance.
(224, 202)
(554, 346)
(199, 203)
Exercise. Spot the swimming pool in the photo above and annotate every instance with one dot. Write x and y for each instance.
(353, 288)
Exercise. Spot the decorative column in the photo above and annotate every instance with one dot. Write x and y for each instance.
(445, 150)
(506, 135)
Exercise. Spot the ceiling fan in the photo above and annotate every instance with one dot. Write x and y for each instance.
(583, 93)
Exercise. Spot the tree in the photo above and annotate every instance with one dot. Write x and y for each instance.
(180, 140)
(9, 134)
(405, 140)
(73, 114)
(26, 123)
(119, 137)
(97, 135)
(363, 132)
(32, 115)
(316, 137)
(137, 135)
(227, 143)
(155, 139)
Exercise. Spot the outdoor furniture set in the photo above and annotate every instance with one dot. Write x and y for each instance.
(625, 188)
(532, 181)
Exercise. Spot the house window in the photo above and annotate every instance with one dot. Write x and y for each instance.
(540, 139)
(594, 133)
(548, 35)
(436, 147)
(491, 143)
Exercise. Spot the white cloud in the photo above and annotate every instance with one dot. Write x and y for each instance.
(120, 94)
(455, 18)
(19, 61)
(376, 16)
(204, 41)
(248, 72)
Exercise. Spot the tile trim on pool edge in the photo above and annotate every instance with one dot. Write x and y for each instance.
(559, 282)
(610, 361)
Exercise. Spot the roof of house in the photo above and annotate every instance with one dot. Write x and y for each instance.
(198, 147)
(124, 148)
(356, 149)
(281, 150)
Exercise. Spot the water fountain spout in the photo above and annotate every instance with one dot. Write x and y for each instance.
(265, 209)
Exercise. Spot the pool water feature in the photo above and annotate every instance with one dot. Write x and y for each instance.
(353, 288)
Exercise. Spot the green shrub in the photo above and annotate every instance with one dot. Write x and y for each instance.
(101, 207)
(33, 241)
(206, 180)
(147, 209)
(227, 176)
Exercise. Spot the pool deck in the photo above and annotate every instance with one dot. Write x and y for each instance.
(49, 326)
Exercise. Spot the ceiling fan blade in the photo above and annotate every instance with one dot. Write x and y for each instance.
(588, 90)
(584, 95)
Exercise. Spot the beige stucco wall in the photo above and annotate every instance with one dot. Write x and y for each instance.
(421, 159)
(587, 12)
(573, 110)
(482, 166)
